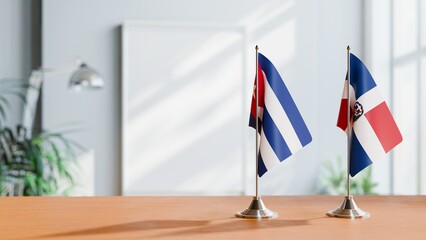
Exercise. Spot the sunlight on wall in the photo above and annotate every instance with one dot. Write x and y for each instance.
(201, 55)
(265, 13)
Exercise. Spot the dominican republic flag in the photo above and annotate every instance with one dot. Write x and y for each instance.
(281, 127)
(374, 131)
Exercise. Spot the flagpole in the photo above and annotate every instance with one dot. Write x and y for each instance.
(257, 122)
(348, 208)
(349, 124)
(257, 208)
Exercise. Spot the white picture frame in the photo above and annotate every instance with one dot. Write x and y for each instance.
(184, 114)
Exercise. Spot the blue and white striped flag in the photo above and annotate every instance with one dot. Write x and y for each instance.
(282, 129)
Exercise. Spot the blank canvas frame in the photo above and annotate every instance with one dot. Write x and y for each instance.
(183, 108)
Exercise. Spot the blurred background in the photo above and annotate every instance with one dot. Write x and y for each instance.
(172, 117)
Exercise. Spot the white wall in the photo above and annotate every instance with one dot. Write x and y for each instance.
(15, 47)
(395, 54)
(306, 40)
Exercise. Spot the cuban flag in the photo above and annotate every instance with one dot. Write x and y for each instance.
(374, 131)
(282, 129)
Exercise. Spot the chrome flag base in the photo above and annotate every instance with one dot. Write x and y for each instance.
(349, 209)
(257, 209)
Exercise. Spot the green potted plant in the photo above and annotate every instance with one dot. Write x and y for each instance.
(334, 176)
(41, 164)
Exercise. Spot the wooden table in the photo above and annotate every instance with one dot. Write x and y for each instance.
(301, 217)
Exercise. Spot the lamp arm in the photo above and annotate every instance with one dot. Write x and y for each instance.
(33, 93)
(58, 70)
(32, 96)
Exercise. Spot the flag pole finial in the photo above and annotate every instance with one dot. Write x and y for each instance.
(348, 48)
(257, 47)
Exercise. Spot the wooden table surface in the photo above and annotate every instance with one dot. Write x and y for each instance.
(300, 217)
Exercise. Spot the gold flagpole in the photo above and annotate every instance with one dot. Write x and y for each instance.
(257, 208)
(348, 209)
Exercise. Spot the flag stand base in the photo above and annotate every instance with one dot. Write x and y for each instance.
(257, 209)
(348, 209)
